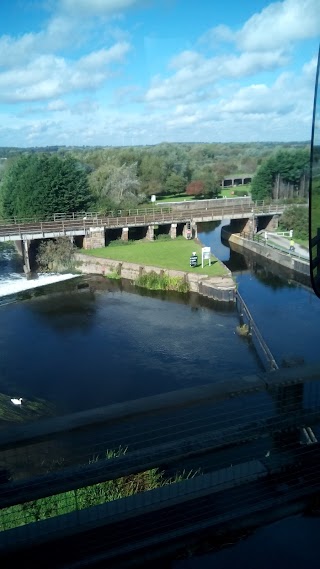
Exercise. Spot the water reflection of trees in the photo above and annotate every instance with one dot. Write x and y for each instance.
(67, 310)
(192, 299)
(271, 280)
(208, 226)
(266, 271)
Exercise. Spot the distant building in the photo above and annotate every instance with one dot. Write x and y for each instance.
(236, 180)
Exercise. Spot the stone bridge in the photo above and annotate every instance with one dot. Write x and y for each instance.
(96, 228)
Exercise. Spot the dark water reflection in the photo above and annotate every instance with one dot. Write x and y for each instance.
(276, 545)
(87, 349)
(286, 311)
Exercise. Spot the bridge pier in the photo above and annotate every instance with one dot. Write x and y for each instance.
(95, 238)
(150, 233)
(26, 257)
(125, 234)
(173, 230)
(190, 230)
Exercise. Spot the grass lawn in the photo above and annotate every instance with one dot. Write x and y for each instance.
(171, 254)
(227, 192)
(303, 242)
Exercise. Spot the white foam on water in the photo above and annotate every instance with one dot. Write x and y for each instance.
(14, 283)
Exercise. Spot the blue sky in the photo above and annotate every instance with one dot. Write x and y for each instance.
(114, 72)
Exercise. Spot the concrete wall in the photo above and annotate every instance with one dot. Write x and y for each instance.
(218, 288)
(283, 259)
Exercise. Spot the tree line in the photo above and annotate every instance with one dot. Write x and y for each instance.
(284, 174)
(34, 182)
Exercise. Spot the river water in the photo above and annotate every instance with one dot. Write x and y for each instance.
(114, 345)
(78, 349)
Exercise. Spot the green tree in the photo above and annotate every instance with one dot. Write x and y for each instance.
(296, 218)
(39, 185)
(122, 187)
(282, 175)
(152, 173)
(175, 184)
(262, 183)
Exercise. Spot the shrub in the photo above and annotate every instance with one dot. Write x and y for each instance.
(120, 243)
(296, 218)
(153, 281)
(56, 255)
(163, 237)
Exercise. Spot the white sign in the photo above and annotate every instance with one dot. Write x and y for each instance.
(206, 254)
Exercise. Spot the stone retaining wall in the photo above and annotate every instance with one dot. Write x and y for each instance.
(218, 288)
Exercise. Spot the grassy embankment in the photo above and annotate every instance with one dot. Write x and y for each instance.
(302, 242)
(166, 254)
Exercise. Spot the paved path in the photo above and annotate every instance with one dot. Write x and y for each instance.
(285, 243)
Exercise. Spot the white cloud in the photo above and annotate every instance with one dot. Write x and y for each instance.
(103, 57)
(216, 35)
(197, 72)
(186, 59)
(258, 99)
(50, 76)
(205, 95)
(279, 25)
(57, 105)
(276, 27)
(59, 33)
(265, 44)
(96, 6)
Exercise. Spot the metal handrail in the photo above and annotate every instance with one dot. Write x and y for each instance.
(264, 241)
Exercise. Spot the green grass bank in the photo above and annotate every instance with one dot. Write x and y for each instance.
(167, 254)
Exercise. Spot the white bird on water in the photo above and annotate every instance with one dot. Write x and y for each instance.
(16, 401)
